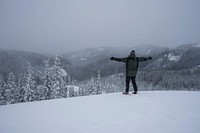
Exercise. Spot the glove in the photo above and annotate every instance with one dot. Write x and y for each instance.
(112, 58)
(150, 57)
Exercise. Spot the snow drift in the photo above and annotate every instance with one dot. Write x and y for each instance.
(147, 112)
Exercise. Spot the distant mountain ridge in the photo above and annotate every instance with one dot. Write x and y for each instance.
(16, 62)
(87, 56)
(84, 64)
(182, 57)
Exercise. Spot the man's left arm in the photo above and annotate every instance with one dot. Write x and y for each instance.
(141, 59)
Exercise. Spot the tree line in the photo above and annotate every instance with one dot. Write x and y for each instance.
(55, 84)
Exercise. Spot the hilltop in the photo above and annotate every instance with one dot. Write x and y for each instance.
(147, 112)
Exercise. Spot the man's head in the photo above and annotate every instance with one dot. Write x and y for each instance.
(132, 52)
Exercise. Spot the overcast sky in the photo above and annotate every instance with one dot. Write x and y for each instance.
(66, 25)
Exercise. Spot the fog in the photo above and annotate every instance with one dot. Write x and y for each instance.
(48, 26)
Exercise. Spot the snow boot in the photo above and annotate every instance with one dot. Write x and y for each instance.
(135, 92)
(125, 93)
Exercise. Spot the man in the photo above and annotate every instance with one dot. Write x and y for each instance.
(132, 63)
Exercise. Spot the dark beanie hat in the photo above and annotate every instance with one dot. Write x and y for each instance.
(132, 52)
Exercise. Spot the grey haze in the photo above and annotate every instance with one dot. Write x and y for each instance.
(47, 26)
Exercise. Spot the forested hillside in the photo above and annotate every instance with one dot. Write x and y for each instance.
(26, 76)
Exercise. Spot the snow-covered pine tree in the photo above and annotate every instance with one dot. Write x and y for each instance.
(47, 90)
(11, 91)
(2, 91)
(58, 83)
(30, 85)
(92, 87)
(99, 91)
(21, 88)
(64, 89)
(8, 88)
(1, 81)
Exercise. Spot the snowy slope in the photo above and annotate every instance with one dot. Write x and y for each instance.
(147, 112)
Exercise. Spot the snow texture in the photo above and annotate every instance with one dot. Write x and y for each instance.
(63, 72)
(147, 112)
(172, 57)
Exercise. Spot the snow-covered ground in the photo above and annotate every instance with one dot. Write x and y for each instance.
(147, 112)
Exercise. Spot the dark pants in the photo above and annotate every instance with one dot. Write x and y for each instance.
(128, 78)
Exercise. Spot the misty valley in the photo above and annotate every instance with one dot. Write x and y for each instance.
(27, 76)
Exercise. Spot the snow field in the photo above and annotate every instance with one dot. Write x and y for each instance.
(147, 112)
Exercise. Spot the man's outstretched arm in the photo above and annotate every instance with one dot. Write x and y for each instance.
(118, 59)
(141, 59)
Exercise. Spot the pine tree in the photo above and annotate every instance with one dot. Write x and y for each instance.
(92, 87)
(1, 81)
(30, 85)
(21, 88)
(99, 91)
(58, 83)
(11, 89)
(2, 91)
(47, 88)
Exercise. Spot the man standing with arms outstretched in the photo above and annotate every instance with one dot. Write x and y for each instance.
(132, 63)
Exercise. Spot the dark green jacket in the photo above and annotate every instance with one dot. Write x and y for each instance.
(132, 63)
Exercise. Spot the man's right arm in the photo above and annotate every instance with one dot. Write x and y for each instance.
(118, 59)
